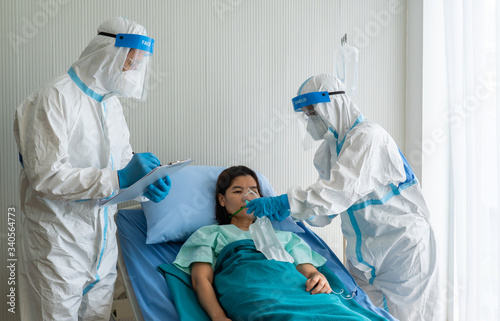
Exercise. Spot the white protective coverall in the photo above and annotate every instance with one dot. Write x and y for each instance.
(72, 138)
(391, 249)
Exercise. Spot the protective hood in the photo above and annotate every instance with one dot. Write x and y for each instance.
(100, 64)
(340, 113)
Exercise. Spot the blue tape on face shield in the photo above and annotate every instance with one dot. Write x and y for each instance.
(135, 41)
(310, 99)
(313, 98)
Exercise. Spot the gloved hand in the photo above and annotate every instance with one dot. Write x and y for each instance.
(139, 165)
(160, 191)
(276, 208)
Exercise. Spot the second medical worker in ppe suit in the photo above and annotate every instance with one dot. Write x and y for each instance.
(74, 147)
(391, 249)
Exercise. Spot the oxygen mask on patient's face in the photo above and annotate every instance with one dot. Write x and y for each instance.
(250, 195)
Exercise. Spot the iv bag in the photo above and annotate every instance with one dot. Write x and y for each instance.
(346, 67)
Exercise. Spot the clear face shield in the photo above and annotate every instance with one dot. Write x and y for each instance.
(136, 68)
(310, 123)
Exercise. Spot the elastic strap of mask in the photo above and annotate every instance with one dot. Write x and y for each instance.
(106, 34)
(336, 93)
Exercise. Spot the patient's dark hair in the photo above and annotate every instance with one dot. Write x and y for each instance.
(225, 180)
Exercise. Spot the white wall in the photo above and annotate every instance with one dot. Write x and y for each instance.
(225, 71)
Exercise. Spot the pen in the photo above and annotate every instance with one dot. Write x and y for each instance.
(134, 153)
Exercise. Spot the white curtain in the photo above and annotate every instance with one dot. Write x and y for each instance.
(472, 38)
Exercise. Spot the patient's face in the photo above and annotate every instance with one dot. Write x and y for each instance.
(237, 193)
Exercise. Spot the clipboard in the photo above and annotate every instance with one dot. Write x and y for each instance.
(140, 187)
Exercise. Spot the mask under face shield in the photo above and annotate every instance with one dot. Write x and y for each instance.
(136, 68)
(310, 121)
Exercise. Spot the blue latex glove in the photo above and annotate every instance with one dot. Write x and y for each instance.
(276, 208)
(160, 191)
(139, 165)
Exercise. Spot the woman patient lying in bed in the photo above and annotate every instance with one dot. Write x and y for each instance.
(233, 280)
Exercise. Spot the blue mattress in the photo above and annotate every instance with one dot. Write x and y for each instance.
(149, 286)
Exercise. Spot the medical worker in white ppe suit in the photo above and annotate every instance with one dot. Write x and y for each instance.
(363, 176)
(74, 147)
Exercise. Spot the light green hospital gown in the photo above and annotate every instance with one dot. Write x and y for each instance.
(206, 243)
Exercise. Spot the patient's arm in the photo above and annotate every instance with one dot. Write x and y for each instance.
(202, 277)
(315, 279)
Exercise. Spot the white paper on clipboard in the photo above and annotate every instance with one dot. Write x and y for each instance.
(140, 187)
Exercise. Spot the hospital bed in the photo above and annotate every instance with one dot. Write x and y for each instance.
(146, 288)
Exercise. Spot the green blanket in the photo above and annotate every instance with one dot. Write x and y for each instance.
(250, 287)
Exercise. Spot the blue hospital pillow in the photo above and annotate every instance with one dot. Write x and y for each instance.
(191, 205)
